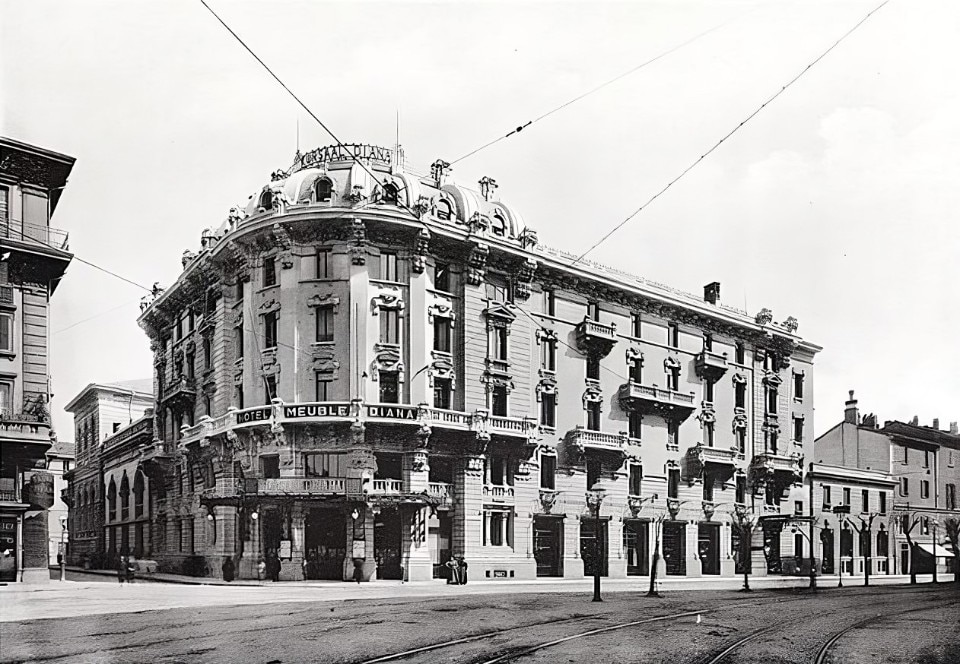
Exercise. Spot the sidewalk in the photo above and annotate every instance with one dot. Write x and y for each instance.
(98, 595)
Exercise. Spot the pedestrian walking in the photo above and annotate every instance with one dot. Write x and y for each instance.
(131, 568)
(273, 566)
(228, 569)
(358, 569)
(122, 569)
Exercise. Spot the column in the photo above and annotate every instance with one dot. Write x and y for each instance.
(293, 569)
(468, 509)
(692, 532)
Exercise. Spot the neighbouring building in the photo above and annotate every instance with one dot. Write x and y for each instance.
(60, 460)
(108, 423)
(33, 259)
(368, 367)
(923, 463)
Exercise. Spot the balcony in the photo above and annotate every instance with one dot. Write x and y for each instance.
(777, 462)
(716, 461)
(653, 400)
(303, 486)
(22, 232)
(25, 428)
(584, 439)
(495, 493)
(182, 388)
(711, 366)
(441, 492)
(387, 487)
(596, 339)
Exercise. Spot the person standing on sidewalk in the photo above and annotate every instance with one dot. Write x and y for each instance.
(261, 570)
(122, 569)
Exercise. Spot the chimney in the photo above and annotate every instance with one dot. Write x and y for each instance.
(936, 423)
(953, 428)
(915, 421)
(711, 293)
(850, 413)
(870, 421)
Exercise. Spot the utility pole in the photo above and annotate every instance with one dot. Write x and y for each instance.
(594, 500)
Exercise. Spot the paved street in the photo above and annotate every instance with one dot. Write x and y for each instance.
(345, 623)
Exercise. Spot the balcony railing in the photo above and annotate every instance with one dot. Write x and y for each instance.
(449, 418)
(777, 463)
(499, 367)
(496, 493)
(304, 486)
(711, 365)
(595, 338)
(182, 387)
(655, 400)
(719, 455)
(385, 487)
(52, 237)
(441, 490)
(585, 439)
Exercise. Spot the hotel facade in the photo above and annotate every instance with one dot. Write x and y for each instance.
(365, 367)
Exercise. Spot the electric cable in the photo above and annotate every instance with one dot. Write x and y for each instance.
(728, 135)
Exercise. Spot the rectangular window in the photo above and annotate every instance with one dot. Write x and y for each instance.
(6, 332)
(269, 388)
(673, 483)
(740, 395)
(906, 454)
(708, 488)
(709, 433)
(238, 396)
(673, 379)
(4, 205)
(324, 269)
(238, 342)
(322, 383)
(798, 507)
(239, 291)
(548, 471)
(708, 342)
(36, 210)
(827, 500)
(548, 409)
(441, 393)
(270, 330)
(548, 354)
(324, 316)
(593, 368)
(798, 386)
(635, 328)
(593, 416)
(497, 343)
(441, 277)
(550, 302)
(798, 545)
(593, 472)
(741, 497)
(496, 528)
(388, 266)
(442, 333)
(593, 311)
(951, 496)
(772, 399)
(270, 466)
(6, 398)
(636, 371)
(846, 496)
(673, 335)
(269, 271)
(926, 458)
(497, 290)
(324, 465)
(798, 429)
(498, 400)
(904, 486)
(950, 458)
(673, 433)
(389, 387)
(390, 326)
(636, 479)
(740, 353)
(864, 501)
(924, 488)
(741, 440)
(634, 424)
(207, 349)
(708, 390)
(882, 505)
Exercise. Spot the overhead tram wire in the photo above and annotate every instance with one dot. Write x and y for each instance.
(305, 107)
(595, 89)
(728, 135)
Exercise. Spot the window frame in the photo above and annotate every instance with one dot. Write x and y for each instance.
(321, 266)
(269, 274)
(324, 324)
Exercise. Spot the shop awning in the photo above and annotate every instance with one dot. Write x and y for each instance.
(941, 551)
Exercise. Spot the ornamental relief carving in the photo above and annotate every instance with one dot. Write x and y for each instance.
(422, 243)
(524, 278)
(269, 306)
(547, 385)
(546, 334)
(325, 300)
(441, 310)
(671, 364)
(386, 358)
(739, 379)
(442, 367)
(592, 393)
(387, 300)
(477, 264)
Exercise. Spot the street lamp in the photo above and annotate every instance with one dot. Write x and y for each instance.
(813, 561)
(63, 550)
(594, 500)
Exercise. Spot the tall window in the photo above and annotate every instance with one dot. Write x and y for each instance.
(798, 429)
(389, 387)
(741, 496)
(708, 390)
(798, 386)
(112, 501)
(636, 370)
(269, 271)
(593, 368)
(906, 454)
(926, 458)
(550, 302)
(389, 326)
(593, 415)
(322, 386)
(191, 361)
(924, 488)
(441, 277)
(548, 354)
(673, 335)
(593, 472)
(442, 332)
(6, 398)
(846, 496)
(636, 479)
(323, 190)
(673, 483)
(593, 311)
(635, 328)
(270, 466)
(238, 341)
(207, 349)
(673, 378)
(740, 395)
(708, 342)
(496, 528)
(864, 501)
(634, 424)
(741, 435)
(709, 433)
(882, 502)
(548, 471)
(388, 266)
(827, 500)
(772, 400)
(708, 487)
(269, 388)
(324, 317)
(498, 400)
(904, 486)
(498, 343)
(324, 269)
(270, 330)
(124, 499)
(739, 353)
(548, 409)
(441, 393)
(950, 494)
(673, 433)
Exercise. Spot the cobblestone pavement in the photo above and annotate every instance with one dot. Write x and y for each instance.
(891, 624)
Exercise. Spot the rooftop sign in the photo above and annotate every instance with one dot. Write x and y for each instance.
(346, 152)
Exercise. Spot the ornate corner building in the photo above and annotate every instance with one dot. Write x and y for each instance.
(365, 367)
(33, 259)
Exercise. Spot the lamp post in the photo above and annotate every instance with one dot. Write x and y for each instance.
(935, 551)
(63, 550)
(594, 500)
(813, 560)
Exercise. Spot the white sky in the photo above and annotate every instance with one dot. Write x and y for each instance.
(837, 204)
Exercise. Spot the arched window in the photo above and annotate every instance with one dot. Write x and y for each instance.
(498, 225)
(266, 200)
(323, 190)
(390, 193)
(112, 501)
(124, 498)
(138, 484)
(444, 210)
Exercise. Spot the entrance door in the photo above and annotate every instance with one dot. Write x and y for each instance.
(675, 548)
(325, 539)
(548, 545)
(637, 545)
(826, 546)
(8, 549)
(387, 544)
(771, 547)
(588, 531)
(708, 547)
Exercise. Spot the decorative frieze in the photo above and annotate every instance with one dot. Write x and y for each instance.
(421, 246)
(477, 264)
(524, 278)
(325, 300)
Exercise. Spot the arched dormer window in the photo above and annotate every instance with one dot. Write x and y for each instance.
(266, 200)
(124, 498)
(390, 193)
(112, 501)
(444, 210)
(498, 225)
(138, 487)
(323, 190)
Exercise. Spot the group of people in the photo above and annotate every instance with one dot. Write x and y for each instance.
(458, 571)
(269, 568)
